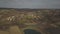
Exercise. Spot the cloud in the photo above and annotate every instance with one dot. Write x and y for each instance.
(30, 3)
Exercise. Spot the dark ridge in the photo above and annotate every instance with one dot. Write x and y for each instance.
(29, 8)
(53, 30)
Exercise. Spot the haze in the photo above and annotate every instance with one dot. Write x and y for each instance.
(32, 4)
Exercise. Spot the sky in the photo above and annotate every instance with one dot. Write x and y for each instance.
(32, 4)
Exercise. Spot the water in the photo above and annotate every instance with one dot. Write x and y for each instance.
(30, 31)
